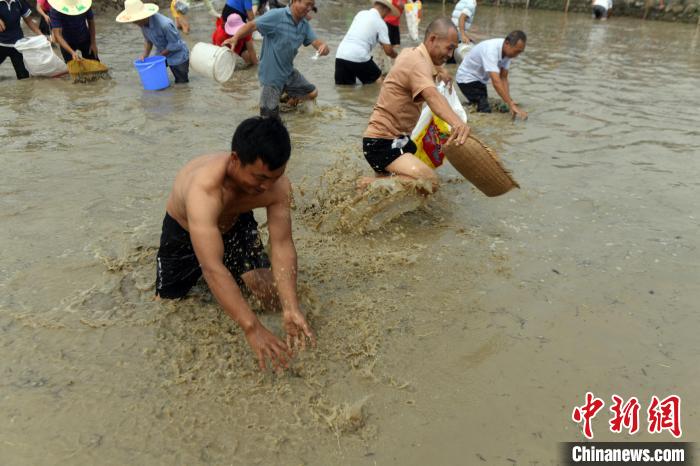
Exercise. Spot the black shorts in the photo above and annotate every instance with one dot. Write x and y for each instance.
(599, 12)
(83, 47)
(476, 93)
(177, 268)
(380, 153)
(394, 34)
(347, 71)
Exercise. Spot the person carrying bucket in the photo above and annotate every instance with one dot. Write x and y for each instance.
(284, 30)
(11, 32)
(160, 31)
(73, 27)
(245, 47)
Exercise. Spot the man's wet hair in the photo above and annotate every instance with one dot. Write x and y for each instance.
(264, 138)
(440, 27)
(516, 36)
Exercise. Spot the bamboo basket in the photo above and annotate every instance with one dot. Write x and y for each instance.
(481, 166)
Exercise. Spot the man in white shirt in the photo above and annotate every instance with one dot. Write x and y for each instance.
(490, 60)
(353, 60)
(601, 9)
(463, 17)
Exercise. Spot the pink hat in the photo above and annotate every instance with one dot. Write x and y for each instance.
(233, 23)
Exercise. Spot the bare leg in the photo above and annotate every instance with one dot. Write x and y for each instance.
(183, 24)
(249, 54)
(261, 283)
(410, 168)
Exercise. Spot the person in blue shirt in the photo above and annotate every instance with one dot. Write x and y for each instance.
(283, 30)
(73, 26)
(161, 32)
(10, 32)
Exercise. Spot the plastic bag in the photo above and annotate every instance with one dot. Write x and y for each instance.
(39, 58)
(413, 15)
(431, 132)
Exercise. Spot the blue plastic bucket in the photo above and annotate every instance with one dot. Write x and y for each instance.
(153, 73)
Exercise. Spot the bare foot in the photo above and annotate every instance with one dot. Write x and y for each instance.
(362, 183)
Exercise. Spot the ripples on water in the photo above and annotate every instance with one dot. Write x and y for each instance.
(454, 321)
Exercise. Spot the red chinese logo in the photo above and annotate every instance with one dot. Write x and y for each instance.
(661, 415)
(587, 412)
(665, 415)
(626, 416)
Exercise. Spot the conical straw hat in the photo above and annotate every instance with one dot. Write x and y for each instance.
(481, 166)
(71, 7)
(390, 5)
(135, 10)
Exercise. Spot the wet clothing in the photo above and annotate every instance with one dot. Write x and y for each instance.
(393, 22)
(365, 31)
(468, 8)
(400, 102)
(163, 34)
(11, 12)
(177, 267)
(17, 60)
(74, 29)
(83, 47)
(220, 35)
(347, 72)
(181, 72)
(476, 93)
(380, 153)
(283, 37)
(394, 34)
(296, 86)
(484, 58)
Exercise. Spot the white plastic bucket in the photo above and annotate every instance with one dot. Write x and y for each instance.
(462, 51)
(213, 61)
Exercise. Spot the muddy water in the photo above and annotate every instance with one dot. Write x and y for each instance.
(461, 333)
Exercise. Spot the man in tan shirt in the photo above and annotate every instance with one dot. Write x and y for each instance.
(411, 82)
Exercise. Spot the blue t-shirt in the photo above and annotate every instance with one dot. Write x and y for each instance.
(240, 5)
(74, 29)
(10, 14)
(283, 37)
(163, 34)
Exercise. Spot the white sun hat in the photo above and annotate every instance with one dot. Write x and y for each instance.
(135, 10)
(71, 7)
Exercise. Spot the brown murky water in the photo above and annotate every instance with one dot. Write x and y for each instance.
(461, 333)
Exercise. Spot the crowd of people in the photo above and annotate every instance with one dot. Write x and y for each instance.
(209, 229)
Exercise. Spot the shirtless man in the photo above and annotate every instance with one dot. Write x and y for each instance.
(209, 230)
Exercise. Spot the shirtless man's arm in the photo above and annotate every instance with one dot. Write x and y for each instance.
(284, 266)
(204, 205)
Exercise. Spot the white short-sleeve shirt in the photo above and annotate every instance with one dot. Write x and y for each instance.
(484, 58)
(468, 7)
(366, 30)
(607, 4)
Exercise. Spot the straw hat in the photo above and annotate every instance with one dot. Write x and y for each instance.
(135, 10)
(388, 3)
(71, 7)
(233, 23)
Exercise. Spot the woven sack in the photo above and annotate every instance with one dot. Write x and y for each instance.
(481, 166)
